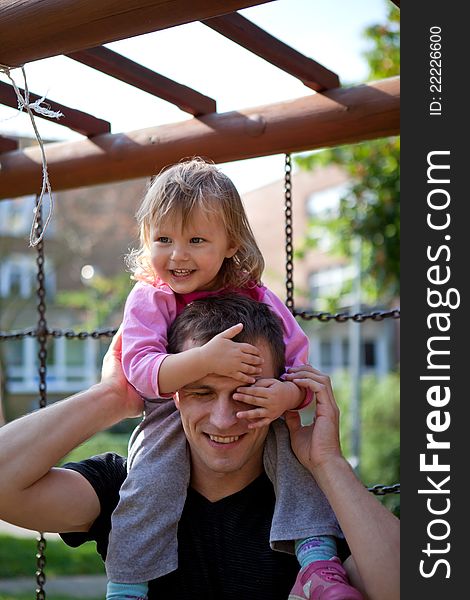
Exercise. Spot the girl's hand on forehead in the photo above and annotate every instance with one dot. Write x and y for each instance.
(223, 356)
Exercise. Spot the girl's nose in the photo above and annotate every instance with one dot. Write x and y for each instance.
(179, 252)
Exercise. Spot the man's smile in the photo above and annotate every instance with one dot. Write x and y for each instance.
(229, 439)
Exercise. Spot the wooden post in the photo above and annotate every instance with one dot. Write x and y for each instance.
(339, 116)
(37, 29)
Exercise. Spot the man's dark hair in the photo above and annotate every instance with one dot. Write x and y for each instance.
(202, 319)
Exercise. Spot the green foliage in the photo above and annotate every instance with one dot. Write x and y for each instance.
(380, 428)
(384, 55)
(99, 444)
(370, 209)
(17, 558)
(102, 298)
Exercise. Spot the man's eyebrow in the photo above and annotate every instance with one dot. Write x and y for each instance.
(196, 386)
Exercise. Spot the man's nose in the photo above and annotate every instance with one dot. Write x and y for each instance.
(224, 414)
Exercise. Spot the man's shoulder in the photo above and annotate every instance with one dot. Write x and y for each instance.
(106, 472)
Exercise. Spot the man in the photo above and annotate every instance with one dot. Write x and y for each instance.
(224, 531)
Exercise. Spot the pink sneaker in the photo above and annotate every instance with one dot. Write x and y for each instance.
(324, 580)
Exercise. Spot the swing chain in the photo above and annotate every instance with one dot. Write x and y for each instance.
(40, 563)
(288, 231)
(381, 490)
(42, 335)
(378, 315)
(42, 331)
(57, 333)
(108, 333)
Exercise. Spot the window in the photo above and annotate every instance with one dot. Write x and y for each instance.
(345, 353)
(16, 216)
(18, 274)
(325, 203)
(326, 355)
(369, 354)
(14, 354)
(329, 282)
(74, 353)
(71, 365)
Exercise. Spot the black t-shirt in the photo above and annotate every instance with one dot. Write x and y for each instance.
(223, 546)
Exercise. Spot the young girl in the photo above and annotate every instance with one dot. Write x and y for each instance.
(196, 242)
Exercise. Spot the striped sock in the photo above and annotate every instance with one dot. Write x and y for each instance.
(311, 549)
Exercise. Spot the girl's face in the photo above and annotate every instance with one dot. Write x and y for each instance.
(189, 260)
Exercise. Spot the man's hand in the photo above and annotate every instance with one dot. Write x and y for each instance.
(315, 444)
(271, 397)
(233, 359)
(113, 378)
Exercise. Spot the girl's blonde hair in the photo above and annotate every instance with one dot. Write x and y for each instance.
(179, 189)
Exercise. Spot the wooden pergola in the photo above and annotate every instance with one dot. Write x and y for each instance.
(36, 29)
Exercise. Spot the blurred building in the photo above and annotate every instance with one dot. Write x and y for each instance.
(92, 228)
(317, 274)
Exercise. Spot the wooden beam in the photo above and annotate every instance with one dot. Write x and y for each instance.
(260, 42)
(73, 119)
(7, 144)
(133, 73)
(35, 29)
(339, 116)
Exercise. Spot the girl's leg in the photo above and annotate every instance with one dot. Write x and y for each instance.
(143, 539)
(304, 522)
(301, 509)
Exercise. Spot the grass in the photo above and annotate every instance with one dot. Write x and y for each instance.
(18, 558)
(98, 444)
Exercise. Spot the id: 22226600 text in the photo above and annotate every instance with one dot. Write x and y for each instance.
(435, 71)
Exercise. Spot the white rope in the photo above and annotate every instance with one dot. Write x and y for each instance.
(41, 108)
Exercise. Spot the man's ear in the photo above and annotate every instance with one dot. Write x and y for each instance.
(176, 400)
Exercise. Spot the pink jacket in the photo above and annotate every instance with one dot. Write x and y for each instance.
(151, 308)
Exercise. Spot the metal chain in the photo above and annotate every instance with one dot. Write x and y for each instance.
(56, 333)
(378, 315)
(42, 335)
(381, 490)
(42, 331)
(18, 334)
(40, 564)
(288, 230)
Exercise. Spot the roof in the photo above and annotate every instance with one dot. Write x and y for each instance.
(35, 29)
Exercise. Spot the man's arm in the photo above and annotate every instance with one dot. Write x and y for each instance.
(34, 494)
(372, 531)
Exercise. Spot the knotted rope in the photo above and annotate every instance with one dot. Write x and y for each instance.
(41, 108)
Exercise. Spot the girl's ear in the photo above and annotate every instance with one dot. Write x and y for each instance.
(231, 251)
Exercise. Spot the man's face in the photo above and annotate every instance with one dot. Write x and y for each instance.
(220, 442)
